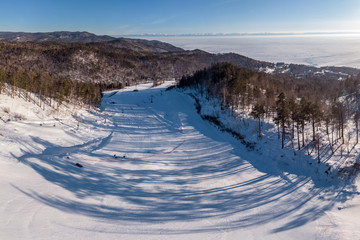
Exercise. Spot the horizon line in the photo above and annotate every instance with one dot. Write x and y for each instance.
(200, 34)
(238, 34)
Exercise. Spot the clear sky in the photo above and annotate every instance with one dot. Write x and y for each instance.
(123, 17)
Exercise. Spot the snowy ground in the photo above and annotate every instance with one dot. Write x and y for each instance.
(181, 178)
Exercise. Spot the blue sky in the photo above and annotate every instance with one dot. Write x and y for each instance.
(180, 17)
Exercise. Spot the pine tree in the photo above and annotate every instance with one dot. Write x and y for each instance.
(304, 116)
(258, 112)
(339, 112)
(2, 78)
(316, 115)
(356, 121)
(282, 116)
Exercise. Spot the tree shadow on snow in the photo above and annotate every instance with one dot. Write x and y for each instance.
(196, 187)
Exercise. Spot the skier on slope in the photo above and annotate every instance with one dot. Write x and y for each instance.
(116, 157)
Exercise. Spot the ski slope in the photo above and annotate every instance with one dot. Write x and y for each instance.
(181, 178)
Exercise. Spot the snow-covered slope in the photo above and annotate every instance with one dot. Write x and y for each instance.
(181, 178)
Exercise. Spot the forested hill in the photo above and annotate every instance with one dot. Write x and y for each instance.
(113, 63)
(86, 57)
(293, 104)
(60, 36)
(69, 66)
(105, 62)
(86, 37)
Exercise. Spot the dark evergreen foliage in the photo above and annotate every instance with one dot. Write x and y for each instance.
(293, 102)
(51, 86)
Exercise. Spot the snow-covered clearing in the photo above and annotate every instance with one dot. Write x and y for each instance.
(181, 177)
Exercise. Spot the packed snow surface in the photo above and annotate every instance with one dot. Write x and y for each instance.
(153, 169)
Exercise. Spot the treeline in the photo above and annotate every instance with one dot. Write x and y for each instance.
(293, 104)
(113, 62)
(49, 86)
(99, 62)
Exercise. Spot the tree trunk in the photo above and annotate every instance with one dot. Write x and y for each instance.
(357, 132)
(318, 149)
(283, 136)
(298, 133)
(342, 132)
(331, 145)
(332, 135)
(303, 135)
(278, 131)
(313, 126)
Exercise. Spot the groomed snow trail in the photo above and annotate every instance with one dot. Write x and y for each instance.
(181, 178)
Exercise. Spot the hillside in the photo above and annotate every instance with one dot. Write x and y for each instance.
(114, 62)
(181, 177)
(61, 36)
(118, 62)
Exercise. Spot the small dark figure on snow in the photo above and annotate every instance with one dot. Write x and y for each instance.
(116, 157)
(79, 165)
(328, 170)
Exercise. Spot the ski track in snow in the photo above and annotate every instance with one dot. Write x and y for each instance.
(198, 183)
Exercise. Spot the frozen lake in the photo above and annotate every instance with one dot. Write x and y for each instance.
(317, 50)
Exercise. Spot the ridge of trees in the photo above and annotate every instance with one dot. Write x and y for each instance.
(100, 62)
(292, 103)
(50, 86)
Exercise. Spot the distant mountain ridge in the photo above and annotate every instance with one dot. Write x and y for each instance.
(87, 57)
(86, 37)
(60, 36)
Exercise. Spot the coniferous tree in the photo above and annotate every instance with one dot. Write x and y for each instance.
(339, 112)
(282, 116)
(316, 115)
(258, 112)
(304, 116)
(294, 109)
(2, 78)
(356, 121)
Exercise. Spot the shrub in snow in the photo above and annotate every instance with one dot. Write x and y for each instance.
(18, 116)
(5, 109)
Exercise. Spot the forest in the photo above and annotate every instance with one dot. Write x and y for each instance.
(80, 71)
(49, 86)
(326, 107)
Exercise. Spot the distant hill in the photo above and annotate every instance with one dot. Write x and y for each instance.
(62, 36)
(115, 62)
(86, 37)
(144, 45)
